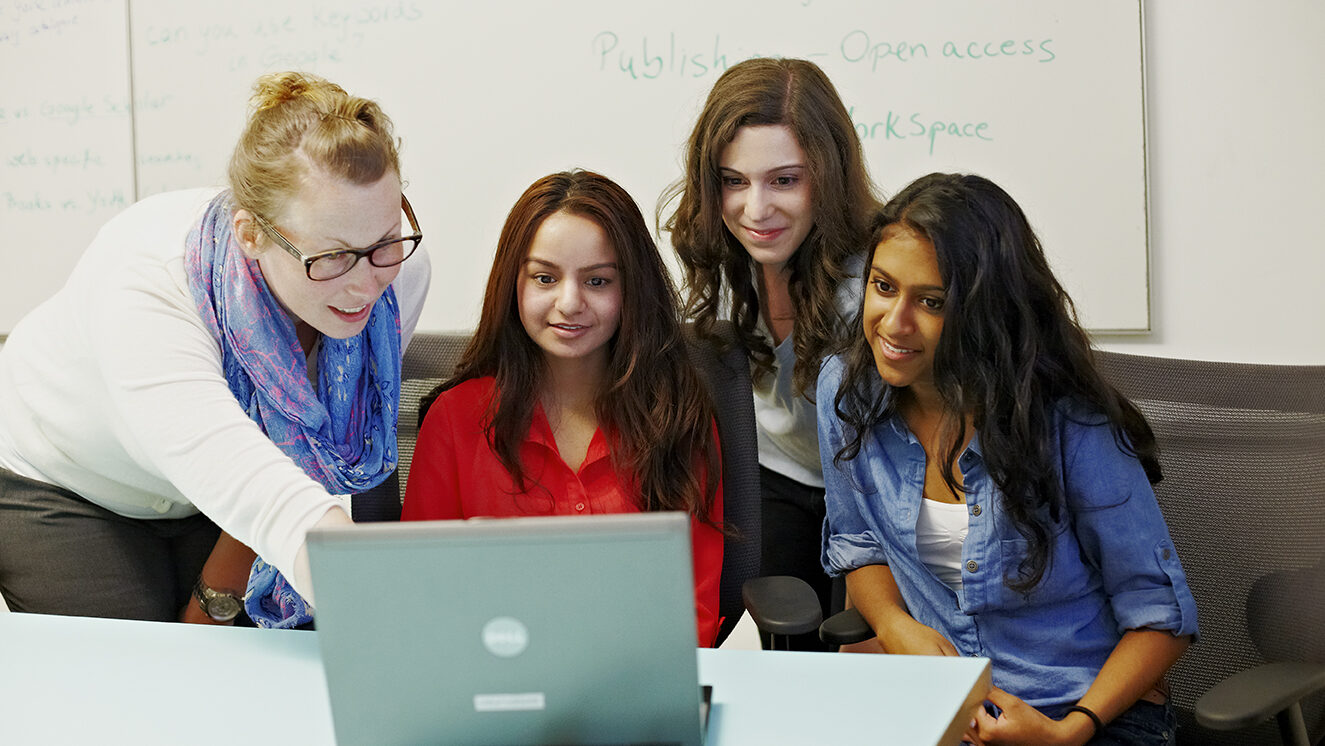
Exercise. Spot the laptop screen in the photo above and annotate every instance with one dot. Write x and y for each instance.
(509, 631)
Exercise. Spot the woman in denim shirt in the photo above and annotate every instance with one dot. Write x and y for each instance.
(988, 492)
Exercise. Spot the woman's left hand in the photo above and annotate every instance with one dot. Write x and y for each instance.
(1019, 723)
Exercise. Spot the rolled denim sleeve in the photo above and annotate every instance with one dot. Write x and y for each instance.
(849, 537)
(1123, 533)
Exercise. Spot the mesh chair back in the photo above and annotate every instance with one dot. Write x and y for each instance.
(1242, 447)
(431, 358)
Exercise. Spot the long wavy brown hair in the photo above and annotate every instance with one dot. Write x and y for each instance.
(654, 409)
(797, 94)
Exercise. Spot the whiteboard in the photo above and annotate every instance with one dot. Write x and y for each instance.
(65, 144)
(1043, 96)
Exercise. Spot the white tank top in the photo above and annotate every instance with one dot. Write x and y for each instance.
(940, 533)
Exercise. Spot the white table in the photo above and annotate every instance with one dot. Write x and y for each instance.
(80, 680)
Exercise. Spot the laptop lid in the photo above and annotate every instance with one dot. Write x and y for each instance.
(509, 631)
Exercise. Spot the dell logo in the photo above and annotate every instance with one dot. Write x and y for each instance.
(505, 637)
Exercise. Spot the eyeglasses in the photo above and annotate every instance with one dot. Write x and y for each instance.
(328, 265)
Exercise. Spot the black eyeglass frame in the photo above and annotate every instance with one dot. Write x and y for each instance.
(308, 260)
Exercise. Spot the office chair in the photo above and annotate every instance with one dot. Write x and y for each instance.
(1243, 452)
(429, 360)
(432, 357)
(1242, 447)
(726, 373)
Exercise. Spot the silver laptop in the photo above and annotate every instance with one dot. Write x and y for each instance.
(575, 630)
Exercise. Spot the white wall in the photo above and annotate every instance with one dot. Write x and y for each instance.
(1236, 97)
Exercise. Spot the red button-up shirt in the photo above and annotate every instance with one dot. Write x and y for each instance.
(456, 475)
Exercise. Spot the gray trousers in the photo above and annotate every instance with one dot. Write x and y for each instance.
(60, 554)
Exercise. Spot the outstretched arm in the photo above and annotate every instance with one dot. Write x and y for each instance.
(227, 570)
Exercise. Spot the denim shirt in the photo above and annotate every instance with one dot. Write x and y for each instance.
(1112, 566)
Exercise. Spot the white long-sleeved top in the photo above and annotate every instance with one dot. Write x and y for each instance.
(113, 389)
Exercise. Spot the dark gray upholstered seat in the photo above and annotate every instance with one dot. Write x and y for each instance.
(431, 358)
(1243, 452)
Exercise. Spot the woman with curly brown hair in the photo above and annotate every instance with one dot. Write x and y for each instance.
(774, 203)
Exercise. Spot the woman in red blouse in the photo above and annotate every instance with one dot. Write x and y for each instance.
(576, 395)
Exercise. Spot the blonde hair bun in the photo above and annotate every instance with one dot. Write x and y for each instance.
(299, 122)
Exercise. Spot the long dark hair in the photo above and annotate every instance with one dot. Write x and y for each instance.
(797, 94)
(1011, 351)
(657, 415)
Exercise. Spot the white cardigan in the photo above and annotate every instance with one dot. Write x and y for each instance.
(113, 389)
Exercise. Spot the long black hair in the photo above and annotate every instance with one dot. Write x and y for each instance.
(1011, 351)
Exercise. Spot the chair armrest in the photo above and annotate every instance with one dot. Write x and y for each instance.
(845, 628)
(782, 605)
(1250, 696)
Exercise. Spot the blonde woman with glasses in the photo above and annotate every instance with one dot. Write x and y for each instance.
(219, 368)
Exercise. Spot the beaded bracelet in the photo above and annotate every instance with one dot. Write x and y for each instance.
(1099, 724)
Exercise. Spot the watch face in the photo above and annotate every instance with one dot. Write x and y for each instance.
(223, 607)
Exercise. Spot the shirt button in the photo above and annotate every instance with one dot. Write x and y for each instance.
(976, 510)
(579, 506)
(1166, 553)
(972, 566)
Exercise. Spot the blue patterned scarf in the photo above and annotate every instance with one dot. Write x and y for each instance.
(344, 434)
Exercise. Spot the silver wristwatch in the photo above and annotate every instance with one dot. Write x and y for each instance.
(220, 606)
